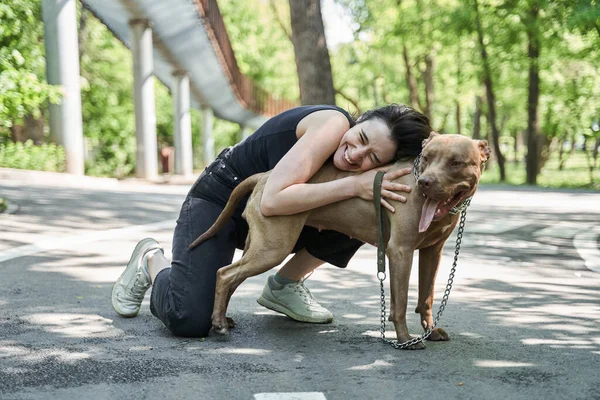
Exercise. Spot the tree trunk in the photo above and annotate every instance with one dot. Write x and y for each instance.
(458, 86)
(81, 31)
(533, 97)
(458, 126)
(17, 133)
(376, 94)
(428, 80)
(489, 89)
(515, 135)
(588, 158)
(477, 118)
(444, 120)
(595, 153)
(31, 128)
(312, 55)
(411, 82)
(561, 153)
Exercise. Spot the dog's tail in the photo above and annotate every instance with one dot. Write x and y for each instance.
(236, 196)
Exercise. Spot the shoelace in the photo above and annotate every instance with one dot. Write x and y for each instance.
(138, 289)
(304, 293)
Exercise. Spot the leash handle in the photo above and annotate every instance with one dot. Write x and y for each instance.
(381, 244)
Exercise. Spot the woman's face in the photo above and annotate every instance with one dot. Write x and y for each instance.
(365, 146)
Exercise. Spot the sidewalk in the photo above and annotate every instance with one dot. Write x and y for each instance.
(166, 183)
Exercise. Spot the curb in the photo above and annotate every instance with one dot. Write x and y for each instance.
(53, 178)
(165, 184)
(63, 179)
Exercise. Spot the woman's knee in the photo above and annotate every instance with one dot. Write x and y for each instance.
(189, 320)
(191, 327)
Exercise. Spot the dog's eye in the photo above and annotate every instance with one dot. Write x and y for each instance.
(424, 159)
(456, 163)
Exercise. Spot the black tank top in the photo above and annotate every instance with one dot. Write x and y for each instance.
(263, 149)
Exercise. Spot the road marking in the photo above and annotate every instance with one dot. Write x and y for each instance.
(81, 238)
(562, 230)
(586, 244)
(290, 396)
(493, 227)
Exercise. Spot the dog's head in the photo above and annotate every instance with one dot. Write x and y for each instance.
(449, 172)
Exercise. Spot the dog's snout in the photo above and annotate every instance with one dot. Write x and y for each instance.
(425, 182)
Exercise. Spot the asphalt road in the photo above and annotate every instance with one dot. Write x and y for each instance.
(523, 314)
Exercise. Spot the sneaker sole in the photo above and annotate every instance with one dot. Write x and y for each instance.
(263, 301)
(136, 253)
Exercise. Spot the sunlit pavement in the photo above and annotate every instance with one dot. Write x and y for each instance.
(523, 314)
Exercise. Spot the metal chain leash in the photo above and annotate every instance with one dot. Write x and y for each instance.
(381, 277)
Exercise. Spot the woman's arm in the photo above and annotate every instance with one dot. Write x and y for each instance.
(286, 191)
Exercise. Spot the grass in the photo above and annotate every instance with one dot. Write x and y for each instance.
(3, 205)
(575, 174)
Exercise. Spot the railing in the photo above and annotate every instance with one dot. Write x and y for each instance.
(254, 97)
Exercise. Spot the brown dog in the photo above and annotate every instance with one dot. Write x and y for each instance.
(449, 172)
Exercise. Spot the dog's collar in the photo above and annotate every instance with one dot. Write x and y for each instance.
(417, 164)
(454, 210)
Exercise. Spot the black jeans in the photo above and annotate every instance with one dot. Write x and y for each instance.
(183, 295)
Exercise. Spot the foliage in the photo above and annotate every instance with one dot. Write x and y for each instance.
(444, 29)
(47, 157)
(262, 49)
(23, 89)
(576, 174)
(107, 100)
(369, 71)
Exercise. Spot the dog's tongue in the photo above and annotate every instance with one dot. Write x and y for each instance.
(427, 214)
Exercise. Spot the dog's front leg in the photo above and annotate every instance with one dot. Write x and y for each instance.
(400, 265)
(429, 262)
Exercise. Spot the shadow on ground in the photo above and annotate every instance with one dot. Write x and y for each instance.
(529, 333)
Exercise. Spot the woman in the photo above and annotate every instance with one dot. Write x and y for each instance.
(294, 145)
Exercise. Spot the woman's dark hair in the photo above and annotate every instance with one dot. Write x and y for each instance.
(408, 127)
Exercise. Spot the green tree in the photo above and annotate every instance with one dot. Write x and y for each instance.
(107, 100)
(262, 48)
(23, 88)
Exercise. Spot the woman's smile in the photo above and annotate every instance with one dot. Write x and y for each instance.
(348, 160)
(365, 146)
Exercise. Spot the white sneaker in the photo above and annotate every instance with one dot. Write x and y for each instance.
(295, 301)
(129, 290)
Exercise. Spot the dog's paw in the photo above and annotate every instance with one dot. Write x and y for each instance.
(230, 323)
(439, 335)
(220, 326)
(221, 330)
(416, 346)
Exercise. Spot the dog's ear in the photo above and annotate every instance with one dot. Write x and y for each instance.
(485, 150)
(432, 134)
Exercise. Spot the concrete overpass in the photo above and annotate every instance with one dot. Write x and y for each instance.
(183, 43)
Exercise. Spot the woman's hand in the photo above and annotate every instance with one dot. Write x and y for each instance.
(364, 185)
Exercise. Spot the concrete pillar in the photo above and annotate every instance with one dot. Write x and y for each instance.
(146, 165)
(207, 135)
(182, 124)
(62, 68)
